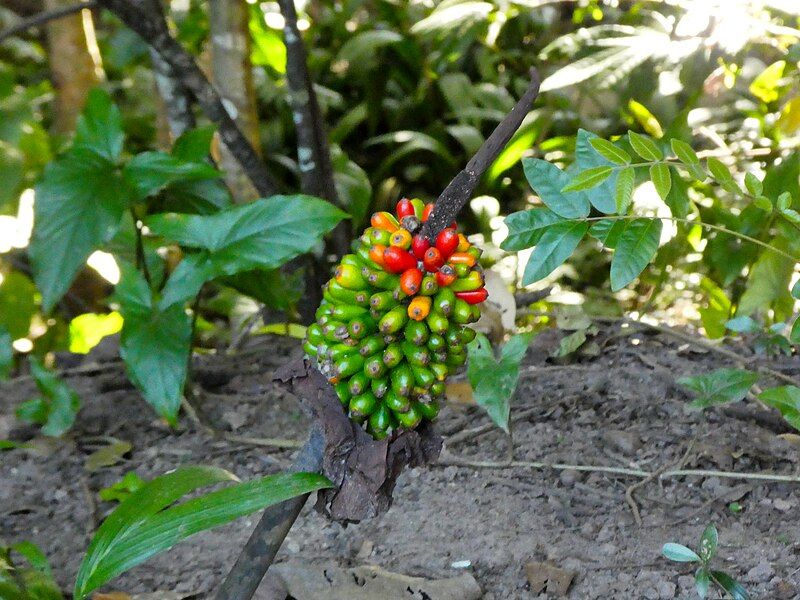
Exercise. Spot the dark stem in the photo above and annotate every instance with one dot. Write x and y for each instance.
(313, 149)
(44, 17)
(268, 535)
(154, 31)
(141, 260)
(460, 189)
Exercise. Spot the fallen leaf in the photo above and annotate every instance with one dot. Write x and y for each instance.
(541, 575)
(459, 392)
(108, 455)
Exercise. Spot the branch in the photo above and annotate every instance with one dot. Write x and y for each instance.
(247, 572)
(313, 149)
(153, 30)
(44, 17)
(460, 189)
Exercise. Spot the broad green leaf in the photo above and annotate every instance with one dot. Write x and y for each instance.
(753, 184)
(273, 288)
(194, 145)
(730, 585)
(678, 197)
(352, 186)
(708, 543)
(588, 179)
(767, 282)
(150, 172)
(679, 553)
(155, 344)
(702, 581)
(555, 246)
(79, 204)
(263, 234)
(526, 227)
(35, 557)
(587, 157)
(610, 152)
(662, 180)
(58, 405)
(787, 400)
(765, 87)
(493, 382)
(644, 146)
(99, 127)
(763, 203)
(6, 353)
(608, 231)
(716, 314)
(718, 170)
(268, 48)
(743, 325)
(361, 52)
(784, 201)
(547, 180)
(570, 343)
(17, 304)
(635, 248)
(450, 16)
(145, 524)
(791, 215)
(719, 387)
(199, 196)
(783, 177)
(88, 329)
(684, 152)
(623, 192)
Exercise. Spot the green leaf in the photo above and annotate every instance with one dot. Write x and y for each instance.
(718, 310)
(718, 170)
(58, 405)
(268, 48)
(526, 227)
(17, 304)
(678, 198)
(194, 145)
(493, 382)
(149, 172)
(679, 553)
(765, 87)
(273, 288)
(767, 282)
(719, 387)
(784, 201)
(684, 152)
(636, 247)
(708, 543)
(610, 152)
(88, 329)
(450, 16)
(547, 180)
(608, 231)
(588, 179)
(6, 353)
(730, 585)
(555, 246)
(794, 335)
(263, 234)
(145, 524)
(662, 180)
(702, 581)
(753, 184)
(644, 146)
(122, 489)
(763, 203)
(791, 215)
(352, 186)
(787, 400)
(361, 52)
(623, 192)
(586, 157)
(155, 344)
(796, 290)
(99, 127)
(79, 204)
(570, 343)
(743, 325)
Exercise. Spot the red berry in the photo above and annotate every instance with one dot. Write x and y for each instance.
(445, 276)
(419, 245)
(432, 260)
(426, 212)
(404, 208)
(473, 297)
(447, 242)
(410, 281)
(398, 260)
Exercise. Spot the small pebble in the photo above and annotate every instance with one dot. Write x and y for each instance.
(461, 564)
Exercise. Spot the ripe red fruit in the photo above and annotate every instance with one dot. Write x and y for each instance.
(410, 281)
(473, 297)
(447, 242)
(398, 260)
(432, 260)
(419, 245)
(426, 212)
(404, 208)
(445, 276)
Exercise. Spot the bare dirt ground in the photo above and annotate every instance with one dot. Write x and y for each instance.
(620, 409)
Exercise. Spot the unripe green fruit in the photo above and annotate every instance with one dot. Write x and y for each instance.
(439, 370)
(381, 419)
(417, 332)
(437, 389)
(415, 355)
(374, 367)
(467, 335)
(363, 405)
(371, 345)
(392, 355)
(339, 351)
(382, 301)
(436, 342)
(444, 301)
(361, 326)
(343, 393)
(380, 387)
(310, 349)
(349, 277)
(428, 411)
(380, 236)
(462, 312)
(397, 403)
(314, 334)
(346, 312)
(437, 322)
(422, 376)
(359, 383)
(409, 419)
(402, 380)
(394, 320)
(349, 365)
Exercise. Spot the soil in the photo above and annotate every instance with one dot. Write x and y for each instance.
(620, 408)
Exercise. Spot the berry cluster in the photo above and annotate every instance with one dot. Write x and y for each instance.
(391, 326)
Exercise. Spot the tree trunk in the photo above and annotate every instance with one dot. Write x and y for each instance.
(233, 77)
(73, 72)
